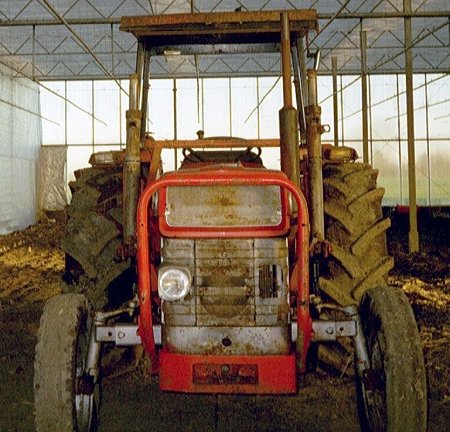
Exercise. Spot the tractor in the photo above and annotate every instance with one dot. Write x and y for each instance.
(228, 274)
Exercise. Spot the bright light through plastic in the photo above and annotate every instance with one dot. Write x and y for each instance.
(174, 283)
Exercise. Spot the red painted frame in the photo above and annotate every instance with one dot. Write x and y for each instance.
(276, 373)
(220, 232)
(225, 176)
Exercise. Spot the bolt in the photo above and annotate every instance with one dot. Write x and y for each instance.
(330, 330)
(121, 335)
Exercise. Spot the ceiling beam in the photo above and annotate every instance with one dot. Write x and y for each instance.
(321, 16)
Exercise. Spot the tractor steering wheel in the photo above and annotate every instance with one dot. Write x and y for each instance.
(188, 153)
(248, 152)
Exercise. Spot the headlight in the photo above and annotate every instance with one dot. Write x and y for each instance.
(174, 283)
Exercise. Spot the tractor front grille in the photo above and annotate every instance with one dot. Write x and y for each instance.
(237, 282)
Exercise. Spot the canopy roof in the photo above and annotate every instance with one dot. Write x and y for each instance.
(80, 39)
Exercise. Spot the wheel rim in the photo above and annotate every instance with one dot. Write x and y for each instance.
(373, 385)
(84, 387)
(84, 405)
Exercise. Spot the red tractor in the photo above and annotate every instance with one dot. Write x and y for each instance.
(227, 273)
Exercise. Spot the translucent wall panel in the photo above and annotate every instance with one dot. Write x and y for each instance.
(248, 107)
(422, 174)
(243, 101)
(106, 110)
(325, 89)
(79, 124)
(160, 122)
(189, 109)
(77, 157)
(439, 107)
(351, 104)
(217, 107)
(404, 185)
(384, 110)
(439, 172)
(123, 106)
(271, 101)
(420, 111)
(386, 160)
(20, 139)
(53, 108)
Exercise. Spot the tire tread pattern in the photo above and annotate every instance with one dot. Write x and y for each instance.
(54, 366)
(356, 229)
(386, 312)
(94, 233)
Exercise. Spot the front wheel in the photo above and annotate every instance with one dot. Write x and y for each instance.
(64, 399)
(392, 392)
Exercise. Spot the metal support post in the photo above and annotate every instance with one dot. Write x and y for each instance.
(132, 166)
(335, 101)
(145, 89)
(364, 104)
(362, 356)
(314, 128)
(288, 114)
(299, 92)
(413, 233)
(140, 59)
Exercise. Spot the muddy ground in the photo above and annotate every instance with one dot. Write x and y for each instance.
(30, 267)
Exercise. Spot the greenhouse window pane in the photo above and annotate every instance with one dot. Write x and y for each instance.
(384, 110)
(217, 107)
(79, 123)
(243, 101)
(352, 113)
(271, 101)
(123, 103)
(160, 109)
(52, 107)
(77, 157)
(422, 174)
(439, 107)
(420, 112)
(189, 115)
(385, 158)
(439, 167)
(325, 89)
(106, 109)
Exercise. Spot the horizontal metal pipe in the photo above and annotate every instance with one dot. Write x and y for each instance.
(323, 16)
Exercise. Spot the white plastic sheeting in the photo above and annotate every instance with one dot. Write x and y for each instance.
(52, 178)
(20, 139)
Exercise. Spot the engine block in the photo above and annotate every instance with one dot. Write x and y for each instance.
(238, 302)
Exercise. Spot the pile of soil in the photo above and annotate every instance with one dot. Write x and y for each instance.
(31, 264)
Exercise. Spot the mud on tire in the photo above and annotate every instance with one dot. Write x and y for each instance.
(93, 234)
(356, 229)
(393, 394)
(61, 350)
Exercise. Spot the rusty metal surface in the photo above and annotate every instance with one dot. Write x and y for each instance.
(214, 143)
(219, 27)
(315, 158)
(226, 294)
(225, 206)
(286, 60)
(226, 340)
(289, 143)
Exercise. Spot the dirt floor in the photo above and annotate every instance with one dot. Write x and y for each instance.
(30, 267)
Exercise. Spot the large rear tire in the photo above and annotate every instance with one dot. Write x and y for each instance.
(93, 235)
(63, 339)
(393, 392)
(356, 229)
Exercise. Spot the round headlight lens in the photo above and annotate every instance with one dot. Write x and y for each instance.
(174, 283)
